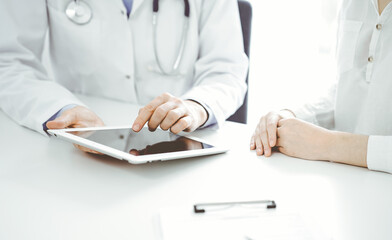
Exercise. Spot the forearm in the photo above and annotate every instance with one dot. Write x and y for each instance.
(348, 148)
(27, 94)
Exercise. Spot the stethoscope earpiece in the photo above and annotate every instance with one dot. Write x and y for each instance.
(79, 12)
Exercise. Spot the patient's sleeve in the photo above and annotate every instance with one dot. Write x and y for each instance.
(379, 153)
(320, 112)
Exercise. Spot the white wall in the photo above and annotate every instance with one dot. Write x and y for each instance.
(291, 60)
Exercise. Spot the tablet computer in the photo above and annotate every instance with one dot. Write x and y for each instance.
(138, 147)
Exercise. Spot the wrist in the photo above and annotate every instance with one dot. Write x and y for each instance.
(333, 139)
(199, 111)
(347, 148)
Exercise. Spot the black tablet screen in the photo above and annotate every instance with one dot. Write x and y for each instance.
(144, 142)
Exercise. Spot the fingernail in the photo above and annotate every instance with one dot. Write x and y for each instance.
(136, 127)
(271, 142)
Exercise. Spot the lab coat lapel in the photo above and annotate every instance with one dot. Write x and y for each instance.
(136, 5)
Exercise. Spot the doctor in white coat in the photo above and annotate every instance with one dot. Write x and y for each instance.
(116, 54)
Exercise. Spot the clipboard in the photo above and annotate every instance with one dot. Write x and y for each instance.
(249, 220)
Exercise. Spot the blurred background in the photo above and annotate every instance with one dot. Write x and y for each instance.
(292, 53)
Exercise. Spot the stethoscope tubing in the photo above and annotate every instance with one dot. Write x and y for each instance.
(155, 7)
(181, 49)
(175, 68)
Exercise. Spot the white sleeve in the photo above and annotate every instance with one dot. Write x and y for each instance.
(221, 69)
(27, 95)
(321, 112)
(379, 153)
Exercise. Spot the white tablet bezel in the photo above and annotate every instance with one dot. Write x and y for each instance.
(66, 135)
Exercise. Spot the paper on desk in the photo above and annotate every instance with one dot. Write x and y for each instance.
(182, 223)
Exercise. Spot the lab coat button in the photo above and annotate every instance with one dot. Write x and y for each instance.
(379, 26)
(370, 59)
(128, 76)
(122, 12)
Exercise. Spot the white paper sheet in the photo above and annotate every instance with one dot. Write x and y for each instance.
(240, 224)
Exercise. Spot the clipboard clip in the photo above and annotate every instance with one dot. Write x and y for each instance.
(202, 207)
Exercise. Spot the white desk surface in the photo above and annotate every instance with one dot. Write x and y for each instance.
(49, 190)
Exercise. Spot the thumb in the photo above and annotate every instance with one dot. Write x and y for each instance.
(65, 120)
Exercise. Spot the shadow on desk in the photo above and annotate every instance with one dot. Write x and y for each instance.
(303, 167)
(153, 170)
(95, 180)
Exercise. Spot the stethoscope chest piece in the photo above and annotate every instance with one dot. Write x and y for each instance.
(79, 12)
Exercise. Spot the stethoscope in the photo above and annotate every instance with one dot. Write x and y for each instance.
(80, 13)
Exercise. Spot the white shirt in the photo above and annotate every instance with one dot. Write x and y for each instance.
(361, 102)
(113, 56)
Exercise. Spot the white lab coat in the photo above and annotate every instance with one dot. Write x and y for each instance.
(112, 56)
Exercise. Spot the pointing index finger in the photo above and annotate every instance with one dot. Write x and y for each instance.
(145, 114)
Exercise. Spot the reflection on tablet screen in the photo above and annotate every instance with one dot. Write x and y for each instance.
(143, 142)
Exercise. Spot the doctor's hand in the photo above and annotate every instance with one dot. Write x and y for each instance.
(265, 135)
(77, 117)
(172, 113)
